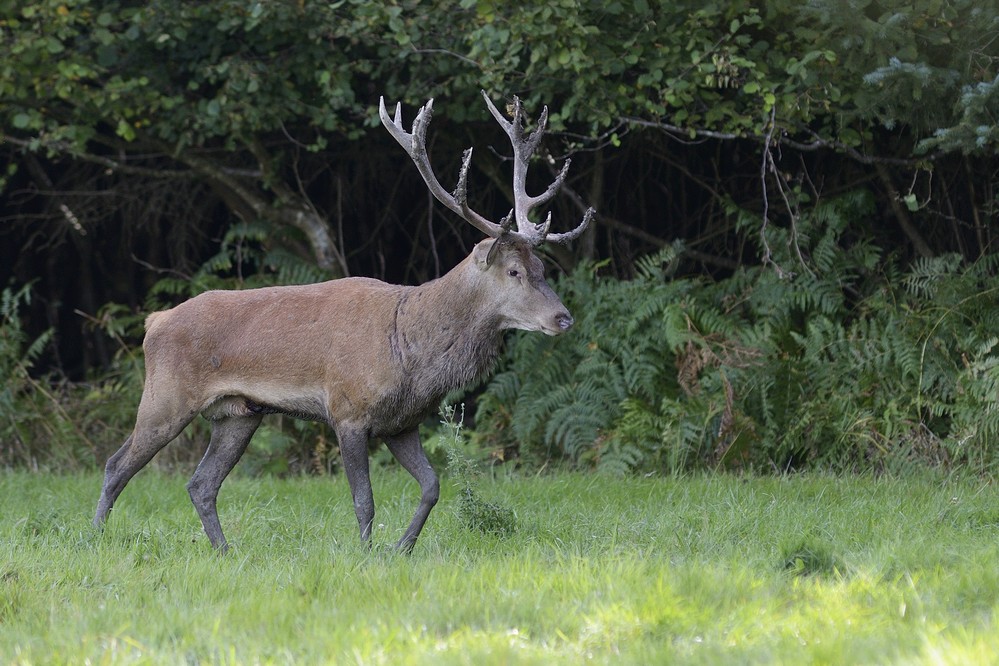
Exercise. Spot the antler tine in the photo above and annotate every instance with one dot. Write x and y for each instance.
(461, 190)
(543, 228)
(534, 138)
(420, 125)
(518, 120)
(415, 144)
(506, 224)
(504, 123)
(556, 185)
(569, 236)
(395, 127)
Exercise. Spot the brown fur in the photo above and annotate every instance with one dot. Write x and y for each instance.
(371, 359)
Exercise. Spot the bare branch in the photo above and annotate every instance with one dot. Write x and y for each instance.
(694, 135)
(65, 148)
(295, 211)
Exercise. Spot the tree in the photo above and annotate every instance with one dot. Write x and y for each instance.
(224, 92)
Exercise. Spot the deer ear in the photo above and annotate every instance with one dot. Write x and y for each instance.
(485, 253)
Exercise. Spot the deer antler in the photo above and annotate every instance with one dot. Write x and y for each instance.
(415, 143)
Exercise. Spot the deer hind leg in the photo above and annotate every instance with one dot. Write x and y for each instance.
(230, 437)
(354, 454)
(409, 452)
(155, 427)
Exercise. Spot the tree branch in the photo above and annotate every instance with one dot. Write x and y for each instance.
(115, 165)
(290, 210)
(694, 135)
(902, 215)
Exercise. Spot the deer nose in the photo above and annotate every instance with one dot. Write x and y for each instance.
(564, 321)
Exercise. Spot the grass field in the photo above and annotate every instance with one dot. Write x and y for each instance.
(708, 569)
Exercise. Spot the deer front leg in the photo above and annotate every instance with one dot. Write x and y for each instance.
(354, 453)
(409, 452)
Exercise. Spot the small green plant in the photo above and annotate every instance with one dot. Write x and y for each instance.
(475, 513)
(810, 558)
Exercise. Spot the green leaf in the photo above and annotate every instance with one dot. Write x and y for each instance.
(125, 130)
(107, 56)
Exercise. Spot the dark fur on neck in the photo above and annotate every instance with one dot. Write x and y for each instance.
(440, 344)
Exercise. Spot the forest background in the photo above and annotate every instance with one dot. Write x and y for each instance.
(792, 266)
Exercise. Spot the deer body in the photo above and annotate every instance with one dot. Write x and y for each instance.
(369, 358)
(355, 350)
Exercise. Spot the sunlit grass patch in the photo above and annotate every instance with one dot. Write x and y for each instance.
(712, 569)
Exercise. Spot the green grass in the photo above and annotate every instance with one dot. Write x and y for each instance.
(707, 570)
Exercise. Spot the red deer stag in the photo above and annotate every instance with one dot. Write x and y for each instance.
(369, 358)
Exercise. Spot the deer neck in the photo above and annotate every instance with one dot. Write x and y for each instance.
(445, 333)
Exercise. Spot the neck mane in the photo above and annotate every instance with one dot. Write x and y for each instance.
(443, 338)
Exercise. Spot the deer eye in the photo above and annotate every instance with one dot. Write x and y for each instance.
(513, 272)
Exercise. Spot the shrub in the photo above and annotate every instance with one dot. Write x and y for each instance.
(841, 365)
(36, 430)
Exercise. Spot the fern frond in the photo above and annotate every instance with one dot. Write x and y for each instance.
(656, 266)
